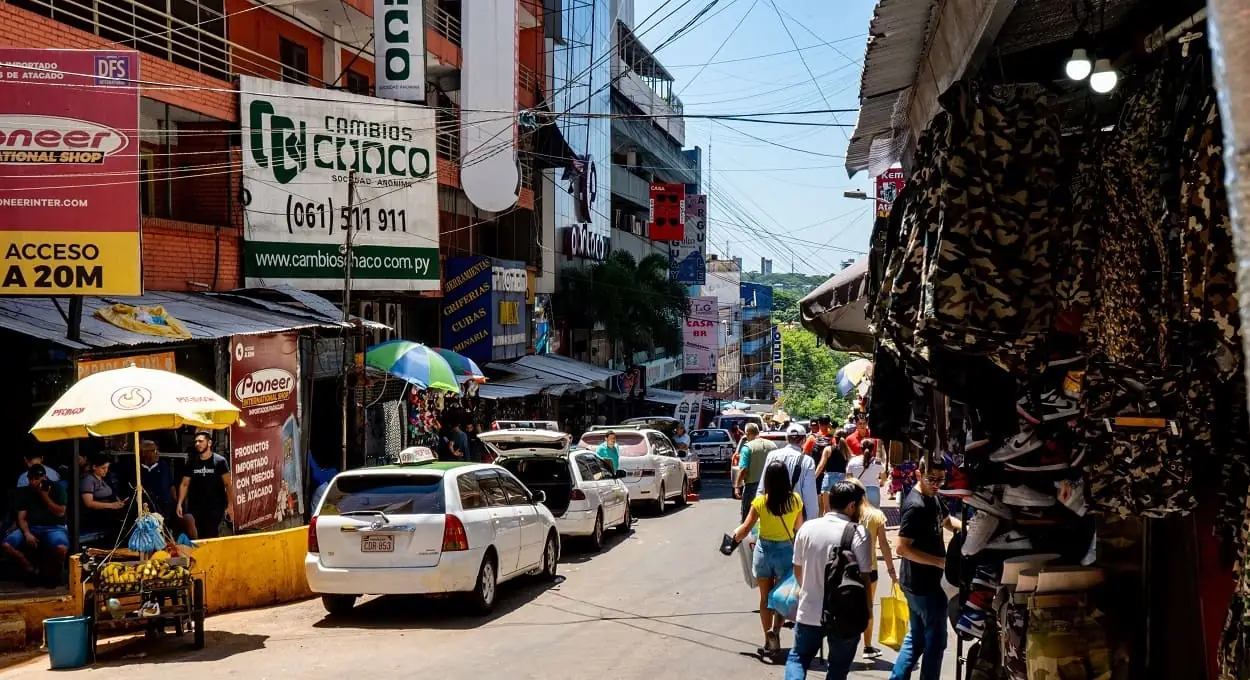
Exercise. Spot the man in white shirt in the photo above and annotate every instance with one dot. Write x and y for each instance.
(791, 455)
(814, 547)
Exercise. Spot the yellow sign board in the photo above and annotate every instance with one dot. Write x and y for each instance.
(509, 312)
(161, 361)
(70, 263)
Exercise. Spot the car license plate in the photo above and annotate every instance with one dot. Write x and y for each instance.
(377, 544)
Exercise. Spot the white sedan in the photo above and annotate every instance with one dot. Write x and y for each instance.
(655, 473)
(582, 492)
(425, 527)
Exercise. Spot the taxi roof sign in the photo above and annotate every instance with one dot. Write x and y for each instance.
(415, 455)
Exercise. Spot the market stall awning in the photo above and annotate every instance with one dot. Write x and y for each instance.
(837, 310)
(662, 396)
(556, 368)
(516, 387)
(205, 316)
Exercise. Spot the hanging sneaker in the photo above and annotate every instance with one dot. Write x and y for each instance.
(985, 499)
(971, 623)
(987, 576)
(1048, 458)
(957, 483)
(980, 599)
(1052, 406)
(1025, 497)
(1011, 540)
(1026, 441)
(1071, 492)
(973, 442)
(981, 527)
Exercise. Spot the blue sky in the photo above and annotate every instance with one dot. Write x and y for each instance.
(790, 198)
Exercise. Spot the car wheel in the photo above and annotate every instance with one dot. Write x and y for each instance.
(551, 558)
(685, 487)
(661, 503)
(596, 537)
(626, 521)
(484, 592)
(339, 605)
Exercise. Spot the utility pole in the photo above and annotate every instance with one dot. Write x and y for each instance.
(348, 357)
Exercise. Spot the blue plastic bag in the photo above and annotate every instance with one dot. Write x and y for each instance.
(785, 598)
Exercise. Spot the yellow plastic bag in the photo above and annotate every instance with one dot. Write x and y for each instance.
(894, 618)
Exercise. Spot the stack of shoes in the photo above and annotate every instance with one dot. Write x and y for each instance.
(978, 606)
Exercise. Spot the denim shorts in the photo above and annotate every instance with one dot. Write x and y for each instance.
(831, 478)
(773, 559)
(48, 537)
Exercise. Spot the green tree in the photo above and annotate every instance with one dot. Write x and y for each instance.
(635, 302)
(810, 372)
(785, 306)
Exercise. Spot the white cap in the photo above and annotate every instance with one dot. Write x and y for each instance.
(795, 428)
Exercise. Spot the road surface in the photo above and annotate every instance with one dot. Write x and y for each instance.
(661, 603)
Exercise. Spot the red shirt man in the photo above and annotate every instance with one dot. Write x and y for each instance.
(855, 441)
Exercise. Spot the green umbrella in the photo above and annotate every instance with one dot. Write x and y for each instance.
(415, 363)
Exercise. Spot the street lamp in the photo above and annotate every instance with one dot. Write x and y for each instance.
(857, 195)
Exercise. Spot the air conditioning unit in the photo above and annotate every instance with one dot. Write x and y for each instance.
(394, 314)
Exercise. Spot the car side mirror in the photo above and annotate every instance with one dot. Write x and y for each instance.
(620, 474)
(540, 496)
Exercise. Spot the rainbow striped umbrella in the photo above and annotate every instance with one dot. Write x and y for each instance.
(415, 363)
(464, 367)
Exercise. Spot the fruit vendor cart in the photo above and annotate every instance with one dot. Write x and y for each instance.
(152, 585)
(160, 595)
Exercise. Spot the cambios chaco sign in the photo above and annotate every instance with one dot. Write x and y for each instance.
(399, 50)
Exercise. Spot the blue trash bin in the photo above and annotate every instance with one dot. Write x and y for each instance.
(68, 641)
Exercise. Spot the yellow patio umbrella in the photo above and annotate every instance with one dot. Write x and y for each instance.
(133, 399)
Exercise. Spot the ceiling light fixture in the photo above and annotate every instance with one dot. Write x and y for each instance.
(1078, 66)
(1104, 78)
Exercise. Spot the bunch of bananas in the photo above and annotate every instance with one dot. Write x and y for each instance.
(158, 573)
(117, 577)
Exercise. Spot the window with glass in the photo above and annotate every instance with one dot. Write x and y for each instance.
(294, 58)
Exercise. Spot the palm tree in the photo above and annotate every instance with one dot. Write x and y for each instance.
(637, 304)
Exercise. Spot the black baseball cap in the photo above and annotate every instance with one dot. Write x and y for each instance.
(825, 419)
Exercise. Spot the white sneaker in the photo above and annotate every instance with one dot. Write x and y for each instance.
(1026, 441)
(985, 499)
(1025, 497)
(1011, 540)
(981, 527)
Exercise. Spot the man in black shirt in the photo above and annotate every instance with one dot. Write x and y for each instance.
(924, 557)
(204, 491)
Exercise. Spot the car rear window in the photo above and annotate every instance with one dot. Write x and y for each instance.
(709, 437)
(402, 494)
(537, 470)
(631, 444)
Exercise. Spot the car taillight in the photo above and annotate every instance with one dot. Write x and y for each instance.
(454, 538)
(577, 495)
(646, 473)
(313, 547)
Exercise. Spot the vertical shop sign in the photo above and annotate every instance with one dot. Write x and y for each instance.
(264, 449)
(668, 212)
(399, 49)
(686, 256)
(67, 119)
(467, 311)
(510, 327)
(778, 361)
(889, 184)
(688, 410)
(701, 338)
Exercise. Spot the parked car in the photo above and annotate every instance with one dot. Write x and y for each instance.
(427, 527)
(713, 447)
(583, 494)
(777, 437)
(525, 425)
(656, 473)
(663, 424)
(727, 422)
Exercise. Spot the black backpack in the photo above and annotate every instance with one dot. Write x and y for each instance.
(845, 613)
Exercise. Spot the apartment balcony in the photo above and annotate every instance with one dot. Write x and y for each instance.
(667, 112)
(631, 187)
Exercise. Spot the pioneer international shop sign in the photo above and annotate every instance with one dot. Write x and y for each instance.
(69, 152)
(301, 145)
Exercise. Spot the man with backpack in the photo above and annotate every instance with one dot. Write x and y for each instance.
(832, 563)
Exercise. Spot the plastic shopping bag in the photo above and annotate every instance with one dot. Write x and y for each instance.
(894, 618)
(746, 553)
(785, 598)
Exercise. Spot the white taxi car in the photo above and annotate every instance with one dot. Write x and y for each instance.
(427, 527)
(582, 492)
(655, 473)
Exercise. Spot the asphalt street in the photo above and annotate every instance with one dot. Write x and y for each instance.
(661, 602)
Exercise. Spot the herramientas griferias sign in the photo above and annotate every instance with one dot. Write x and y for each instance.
(301, 145)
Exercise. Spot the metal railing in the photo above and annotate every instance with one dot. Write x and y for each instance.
(527, 172)
(447, 130)
(527, 78)
(443, 22)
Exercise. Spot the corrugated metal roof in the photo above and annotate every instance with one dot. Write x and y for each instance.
(557, 368)
(205, 316)
(662, 396)
(896, 44)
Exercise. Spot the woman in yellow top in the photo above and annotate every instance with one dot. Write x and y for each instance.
(874, 520)
(779, 512)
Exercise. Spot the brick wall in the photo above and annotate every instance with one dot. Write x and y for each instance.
(175, 254)
(258, 33)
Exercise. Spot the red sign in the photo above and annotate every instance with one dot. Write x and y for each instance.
(889, 184)
(264, 450)
(668, 212)
(69, 152)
